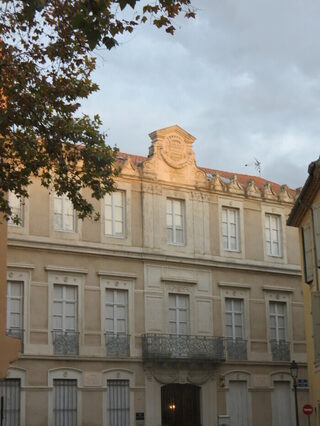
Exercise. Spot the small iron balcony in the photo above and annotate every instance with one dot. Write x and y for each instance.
(236, 349)
(118, 345)
(65, 342)
(182, 347)
(19, 334)
(280, 350)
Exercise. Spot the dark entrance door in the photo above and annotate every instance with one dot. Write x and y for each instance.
(180, 405)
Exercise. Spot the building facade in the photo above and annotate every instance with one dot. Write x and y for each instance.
(306, 216)
(181, 305)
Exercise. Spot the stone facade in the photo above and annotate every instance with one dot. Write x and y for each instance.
(188, 285)
(305, 215)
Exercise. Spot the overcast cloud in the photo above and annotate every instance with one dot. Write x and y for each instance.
(243, 78)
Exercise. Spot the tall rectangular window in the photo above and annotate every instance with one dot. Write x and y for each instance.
(118, 403)
(65, 320)
(234, 318)
(16, 206)
(15, 307)
(273, 235)
(65, 402)
(116, 311)
(65, 307)
(277, 311)
(114, 214)
(10, 392)
(175, 221)
(178, 314)
(64, 214)
(230, 229)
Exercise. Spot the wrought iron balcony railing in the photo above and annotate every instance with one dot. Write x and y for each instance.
(236, 349)
(280, 350)
(65, 342)
(182, 347)
(118, 345)
(19, 334)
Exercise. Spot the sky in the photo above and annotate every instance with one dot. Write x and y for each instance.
(243, 78)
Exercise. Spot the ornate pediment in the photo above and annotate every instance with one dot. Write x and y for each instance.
(171, 157)
(284, 194)
(217, 184)
(128, 168)
(252, 189)
(268, 192)
(235, 186)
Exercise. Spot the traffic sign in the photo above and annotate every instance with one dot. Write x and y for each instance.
(307, 409)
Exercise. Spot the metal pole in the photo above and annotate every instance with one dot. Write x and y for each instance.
(1, 411)
(296, 400)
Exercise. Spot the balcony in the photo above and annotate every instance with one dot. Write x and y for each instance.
(165, 347)
(280, 350)
(236, 349)
(19, 334)
(118, 345)
(65, 342)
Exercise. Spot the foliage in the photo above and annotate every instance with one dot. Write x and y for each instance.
(46, 62)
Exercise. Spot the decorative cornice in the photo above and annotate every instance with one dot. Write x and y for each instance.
(177, 280)
(20, 266)
(145, 255)
(52, 268)
(280, 289)
(116, 274)
(234, 285)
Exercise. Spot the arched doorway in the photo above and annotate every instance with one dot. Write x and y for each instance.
(180, 405)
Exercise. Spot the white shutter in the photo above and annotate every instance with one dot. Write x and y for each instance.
(10, 391)
(307, 253)
(316, 324)
(281, 404)
(65, 402)
(118, 403)
(238, 403)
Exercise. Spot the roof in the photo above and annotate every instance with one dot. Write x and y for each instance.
(308, 193)
(243, 179)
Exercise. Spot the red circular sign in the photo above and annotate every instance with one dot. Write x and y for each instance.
(307, 409)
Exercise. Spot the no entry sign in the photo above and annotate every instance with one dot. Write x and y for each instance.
(307, 409)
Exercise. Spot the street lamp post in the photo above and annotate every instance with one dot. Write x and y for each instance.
(294, 375)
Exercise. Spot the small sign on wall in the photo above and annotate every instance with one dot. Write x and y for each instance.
(139, 419)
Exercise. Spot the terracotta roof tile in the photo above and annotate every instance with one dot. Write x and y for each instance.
(242, 178)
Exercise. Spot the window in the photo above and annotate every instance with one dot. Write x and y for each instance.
(117, 322)
(15, 308)
(118, 403)
(277, 312)
(178, 314)
(116, 311)
(273, 235)
(65, 402)
(16, 205)
(114, 214)
(307, 253)
(10, 391)
(65, 306)
(175, 221)
(64, 215)
(230, 229)
(234, 318)
(235, 344)
(278, 318)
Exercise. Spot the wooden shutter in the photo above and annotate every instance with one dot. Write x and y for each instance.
(316, 324)
(307, 253)
(316, 224)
